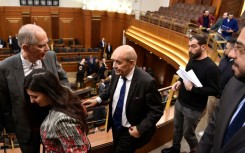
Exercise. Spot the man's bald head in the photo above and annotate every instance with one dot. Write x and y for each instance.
(124, 59)
(28, 34)
(125, 51)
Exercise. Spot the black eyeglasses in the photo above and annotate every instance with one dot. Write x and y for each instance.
(239, 47)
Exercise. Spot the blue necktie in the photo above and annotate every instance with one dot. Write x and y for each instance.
(117, 117)
(236, 124)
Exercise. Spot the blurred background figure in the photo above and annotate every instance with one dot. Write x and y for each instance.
(108, 51)
(80, 77)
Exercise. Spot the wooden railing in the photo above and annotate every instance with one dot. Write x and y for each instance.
(167, 44)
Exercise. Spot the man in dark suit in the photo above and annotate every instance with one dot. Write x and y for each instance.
(2, 42)
(141, 106)
(19, 115)
(102, 46)
(108, 50)
(91, 62)
(15, 46)
(217, 137)
(10, 43)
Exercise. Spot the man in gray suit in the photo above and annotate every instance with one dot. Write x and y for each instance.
(19, 115)
(226, 132)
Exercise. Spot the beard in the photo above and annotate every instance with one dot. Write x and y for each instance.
(240, 76)
(196, 55)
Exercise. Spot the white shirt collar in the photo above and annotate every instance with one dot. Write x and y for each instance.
(130, 75)
(27, 64)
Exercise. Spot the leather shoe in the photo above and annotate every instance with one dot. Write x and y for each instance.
(171, 150)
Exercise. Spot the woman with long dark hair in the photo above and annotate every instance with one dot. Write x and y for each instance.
(65, 128)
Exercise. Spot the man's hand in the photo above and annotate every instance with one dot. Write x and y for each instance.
(230, 30)
(134, 132)
(89, 103)
(176, 86)
(188, 85)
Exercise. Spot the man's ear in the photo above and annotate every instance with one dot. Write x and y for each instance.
(203, 47)
(25, 47)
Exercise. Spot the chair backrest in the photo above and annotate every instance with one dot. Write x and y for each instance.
(77, 49)
(83, 49)
(64, 50)
(90, 49)
(57, 49)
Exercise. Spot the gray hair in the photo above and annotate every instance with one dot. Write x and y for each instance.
(27, 34)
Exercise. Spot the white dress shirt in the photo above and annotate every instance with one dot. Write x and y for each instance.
(28, 66)
(116, 95)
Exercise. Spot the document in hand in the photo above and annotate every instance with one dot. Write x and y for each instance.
(189, 76)
(225, 28)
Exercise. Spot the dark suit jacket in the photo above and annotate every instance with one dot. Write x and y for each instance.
(213, 137)
(101, 46)
(143, 106)
(19, 115)
(107, 49)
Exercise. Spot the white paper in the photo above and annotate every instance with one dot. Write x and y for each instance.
(189, 76)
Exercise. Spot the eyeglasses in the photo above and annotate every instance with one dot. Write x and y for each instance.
(239, 47)
(228, 48)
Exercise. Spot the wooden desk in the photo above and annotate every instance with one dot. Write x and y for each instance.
(83, 92)
(3, 56)
(5, 50)
(76, 46)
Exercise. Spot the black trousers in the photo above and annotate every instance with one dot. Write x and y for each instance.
(124, 143)
(33, 145)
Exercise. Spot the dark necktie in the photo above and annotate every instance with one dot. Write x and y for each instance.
(32, 66)
(236, 124)
(117, 117)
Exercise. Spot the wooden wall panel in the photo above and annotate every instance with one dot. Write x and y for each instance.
(12, 25)
(112, 26)
(78, 23)
(95, 32)
(87, 28)
(66, 27)
(11, 21)
(1, 25)
(234, 6)
(55, 27)
(44, 22)
(67, 23)
(163, 72)
(26, 20)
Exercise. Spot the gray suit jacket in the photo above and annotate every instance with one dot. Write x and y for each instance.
(143, 105)
(19, 115)
(213, 137)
